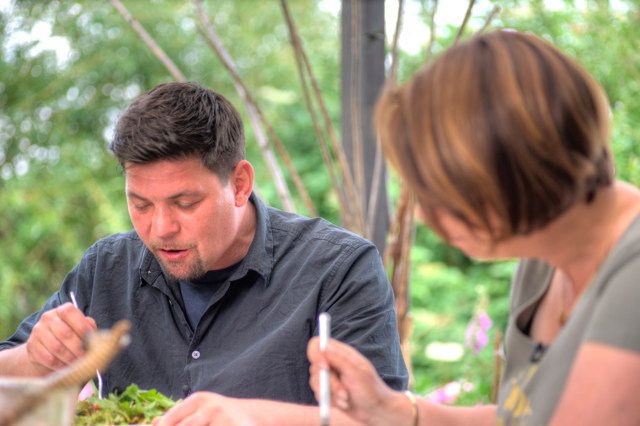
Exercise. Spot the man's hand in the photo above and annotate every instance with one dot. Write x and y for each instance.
(212, 409)
(208, 408)
(57, 339)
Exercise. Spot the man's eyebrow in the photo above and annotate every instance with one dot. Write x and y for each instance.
(181, 194)
(131, 194)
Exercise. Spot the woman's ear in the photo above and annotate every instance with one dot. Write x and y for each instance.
(242, 181)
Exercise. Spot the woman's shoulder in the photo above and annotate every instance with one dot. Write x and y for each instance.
(626, 252)
(616, 289)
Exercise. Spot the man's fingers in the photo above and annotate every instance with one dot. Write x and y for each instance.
(57, 338)
(177, 413)
(76, 320)
(197, 419)
(91, 323)
(64, 339)
(41, 356)
(69, 327)
(201, 408)
(66, 348)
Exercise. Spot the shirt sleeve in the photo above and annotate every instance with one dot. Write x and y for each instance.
(616, 317)
(361, 304)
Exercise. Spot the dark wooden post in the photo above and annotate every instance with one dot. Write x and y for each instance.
(362, 77)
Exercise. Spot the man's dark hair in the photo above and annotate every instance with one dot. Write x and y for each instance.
(180, 120)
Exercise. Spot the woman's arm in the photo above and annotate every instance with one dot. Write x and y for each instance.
(603, 388)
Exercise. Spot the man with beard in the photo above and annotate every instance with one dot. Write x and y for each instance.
(222, 291)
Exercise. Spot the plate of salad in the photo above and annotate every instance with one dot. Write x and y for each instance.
(134, 406)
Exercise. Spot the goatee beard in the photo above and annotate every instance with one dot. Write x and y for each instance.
(193, 271)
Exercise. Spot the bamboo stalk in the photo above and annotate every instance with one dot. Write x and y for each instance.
(393, 72)
(376, 181)
(348, 193)
(257, 119)
(432, 30)
(400, 259)
(497, 369)
(467, 15)
(495, 11)
(150, 41)
(344, 205)
(401, 236)
(338, 148)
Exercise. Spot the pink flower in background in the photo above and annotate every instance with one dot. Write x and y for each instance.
(450, 392)
(476, 336)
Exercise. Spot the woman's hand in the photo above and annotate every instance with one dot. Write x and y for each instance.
(356, 388)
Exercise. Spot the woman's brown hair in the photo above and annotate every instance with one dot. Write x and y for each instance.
(503, 126)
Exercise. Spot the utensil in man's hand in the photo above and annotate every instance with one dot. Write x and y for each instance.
(99, 377)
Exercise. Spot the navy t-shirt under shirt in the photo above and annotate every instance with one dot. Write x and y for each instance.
(196, 294)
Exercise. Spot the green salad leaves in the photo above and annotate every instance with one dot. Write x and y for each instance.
(133, 406)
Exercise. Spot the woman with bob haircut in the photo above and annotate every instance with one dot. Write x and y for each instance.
(504, 141)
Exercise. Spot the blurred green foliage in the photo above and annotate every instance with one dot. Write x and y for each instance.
(60, 189)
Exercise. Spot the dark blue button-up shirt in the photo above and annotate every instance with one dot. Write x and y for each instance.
(251, 340)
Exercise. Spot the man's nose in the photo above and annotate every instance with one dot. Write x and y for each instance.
(165, 223)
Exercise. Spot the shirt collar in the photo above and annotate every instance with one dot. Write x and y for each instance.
(259, 258)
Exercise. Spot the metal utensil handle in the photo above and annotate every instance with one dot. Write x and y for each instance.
(98, 375)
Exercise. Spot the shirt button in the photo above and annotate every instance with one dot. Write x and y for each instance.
(195, 354)
(186, 391)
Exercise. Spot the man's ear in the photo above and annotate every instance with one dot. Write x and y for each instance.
(242, 181)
